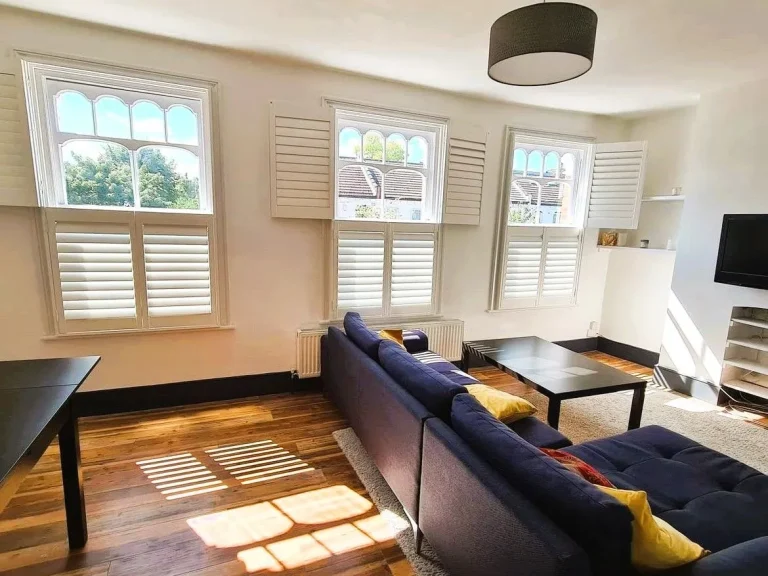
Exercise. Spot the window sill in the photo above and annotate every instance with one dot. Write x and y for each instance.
(138, 332)
(530, 308)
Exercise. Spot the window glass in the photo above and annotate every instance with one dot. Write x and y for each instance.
(524, 201)
(360, 193)
(417, 151)
(396, 148)
(373, 146)
(518, 162)
(350, 144)
(535, 163)
(551, 165)
(169, 178)
(74, 113)
(182, 125)
(567, 166)
(148, 122)
(403, 195)
(97, 173)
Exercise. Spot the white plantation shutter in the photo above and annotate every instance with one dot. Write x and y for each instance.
(16, 176)
(413, 267)
(360, 271)
(95, 276)
(560, 267)
(301, 147)
(522, 271)
(178, 275)
(466, 171)
(618, 175)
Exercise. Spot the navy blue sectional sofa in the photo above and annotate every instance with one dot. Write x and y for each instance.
(490, 503)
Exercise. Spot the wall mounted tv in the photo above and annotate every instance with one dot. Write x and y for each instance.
(743, 256)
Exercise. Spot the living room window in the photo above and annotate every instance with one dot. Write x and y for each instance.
(540, 236)
(124, 173)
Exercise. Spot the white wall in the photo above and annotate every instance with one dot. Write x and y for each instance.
(275, 265)
(638, 283)
(725, 175)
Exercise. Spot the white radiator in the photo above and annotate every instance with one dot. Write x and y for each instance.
(445, 338)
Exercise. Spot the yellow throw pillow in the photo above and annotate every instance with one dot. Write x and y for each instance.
(505, 407)
(394, 335)
(655, 544)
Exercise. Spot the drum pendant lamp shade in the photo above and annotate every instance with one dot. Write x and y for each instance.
(542, 44)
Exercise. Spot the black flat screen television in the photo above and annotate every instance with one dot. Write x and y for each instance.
(743, 256)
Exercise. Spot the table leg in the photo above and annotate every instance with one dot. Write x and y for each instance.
(465, 358)
(553, 414)
(72, 477)
(636, 412)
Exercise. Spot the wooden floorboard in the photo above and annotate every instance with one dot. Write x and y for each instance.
(135, 530)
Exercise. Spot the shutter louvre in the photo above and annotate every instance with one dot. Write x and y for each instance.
(560, 267)
(16, 174)
(466, 171)
(95, 272)
(301, 147)
(522, 269)
(618, 175)
(178, 273)
(360, 262)
(413, 264)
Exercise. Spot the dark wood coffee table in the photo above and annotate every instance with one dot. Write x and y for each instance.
(556, 372)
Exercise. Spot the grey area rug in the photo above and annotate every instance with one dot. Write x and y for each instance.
(424, 564)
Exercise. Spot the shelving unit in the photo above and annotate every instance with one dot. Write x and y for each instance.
(608, 248)
(745, 366)
(679, 198)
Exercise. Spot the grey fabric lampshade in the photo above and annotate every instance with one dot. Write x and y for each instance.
(542, 44)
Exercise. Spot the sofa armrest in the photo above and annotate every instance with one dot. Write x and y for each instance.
(746, 559)
(415, 341)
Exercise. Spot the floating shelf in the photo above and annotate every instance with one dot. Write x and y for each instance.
(752, 322)
(748, 387)
(750, 365)
(663, 199)
(754, 343)
(602, 248)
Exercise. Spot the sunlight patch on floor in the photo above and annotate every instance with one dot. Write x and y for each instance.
(256, 462)
(180, 475)
(693, 405)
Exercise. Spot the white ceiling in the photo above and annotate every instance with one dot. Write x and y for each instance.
(650, 54)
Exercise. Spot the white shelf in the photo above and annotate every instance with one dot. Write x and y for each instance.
(750, 365)
(663, 199)
(748, 387)
(753, 343)
(752, 322)
(604, 248)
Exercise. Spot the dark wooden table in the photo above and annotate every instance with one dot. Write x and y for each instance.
(36, 405)
(556, 372)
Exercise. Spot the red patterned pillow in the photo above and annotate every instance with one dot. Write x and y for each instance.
(578, 466)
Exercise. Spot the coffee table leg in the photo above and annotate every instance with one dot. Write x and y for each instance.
(465, 358)
(636, 412)
(72, 477)
(553, 414)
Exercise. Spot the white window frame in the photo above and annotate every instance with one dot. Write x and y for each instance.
(560, 143)
(93, 80)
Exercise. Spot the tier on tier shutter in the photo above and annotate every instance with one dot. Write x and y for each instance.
(360, 265)
(466, 172)
(617, 185)
(560, 267)
(413, 265)
(17, 182)
(301, 147)
(522, 270)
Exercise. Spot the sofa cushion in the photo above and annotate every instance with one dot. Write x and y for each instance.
(536, 432)
(364, 338)
(444, 367)
(711, 498)
(415, 341)
(428, 387)
(597, 522)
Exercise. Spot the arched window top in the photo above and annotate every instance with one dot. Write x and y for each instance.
(350, 144)
(567, 166)
(519, 160)
(551, 165)
(74, 113)
(112, 117)
(396, 148)
(535, 163)
(417, 151)
(181, 125)
(148, 121)
(97, 173)
(169, 178)
(373, 146)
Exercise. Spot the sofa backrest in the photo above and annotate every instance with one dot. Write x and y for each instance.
(364, 338)
(432, 389)
(597, 522)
